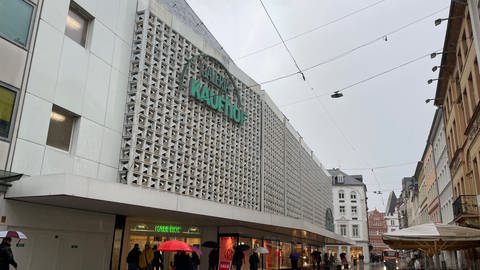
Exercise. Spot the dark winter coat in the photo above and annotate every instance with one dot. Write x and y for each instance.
(254, 261)
(133, 256)
(6, 257)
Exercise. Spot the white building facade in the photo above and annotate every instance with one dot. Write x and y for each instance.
(444, 180)
(130, 124)
(350, 214)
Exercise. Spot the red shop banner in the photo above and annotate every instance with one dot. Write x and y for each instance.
(224, 265)
(226, 252)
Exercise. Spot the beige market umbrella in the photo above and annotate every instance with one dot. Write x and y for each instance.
(431, 238)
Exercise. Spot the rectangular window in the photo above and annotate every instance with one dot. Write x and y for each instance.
(341, 195)
(7, 105)
(61, 128)
(342, 209)
(77, 24)
(355, 230)
(15, 20)
(343, 230)
(354, 210)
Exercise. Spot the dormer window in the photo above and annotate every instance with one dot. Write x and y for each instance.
(339, 179)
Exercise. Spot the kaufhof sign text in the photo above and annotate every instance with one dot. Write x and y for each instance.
(213, 89)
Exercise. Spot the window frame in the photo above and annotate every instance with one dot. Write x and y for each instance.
(14, 111)
(80, 11)
(75, 118)
(30, 27)
(340, 209)
(354, 213)
(343, 228)
(355, 226)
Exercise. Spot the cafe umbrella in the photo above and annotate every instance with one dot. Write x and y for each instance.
(432, 238)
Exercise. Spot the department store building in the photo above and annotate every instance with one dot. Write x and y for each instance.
(126, 122)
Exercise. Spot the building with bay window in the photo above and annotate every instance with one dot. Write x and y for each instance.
(128, 123)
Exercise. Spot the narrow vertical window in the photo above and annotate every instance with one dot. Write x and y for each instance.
(7, 105)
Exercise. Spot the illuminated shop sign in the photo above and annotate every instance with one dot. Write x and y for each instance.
(213, 86)
(167, 229)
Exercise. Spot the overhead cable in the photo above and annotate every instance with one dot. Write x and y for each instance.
(314, 29)
(351, 50)
(281, 38)
(380, 38)
(325, 93)
(382, 167)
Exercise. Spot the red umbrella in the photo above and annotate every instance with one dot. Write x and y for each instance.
(174, 245)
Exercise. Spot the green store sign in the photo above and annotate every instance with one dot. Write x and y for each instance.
(167, 229)
(213, 86)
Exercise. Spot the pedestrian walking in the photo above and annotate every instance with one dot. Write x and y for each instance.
(133, 257)
(146, 258)
(294, 260)
(417, 264)
(6, 254)
(195, 260)
(254, 260)
(213, 259)
(238, 258)
(181, 261)
(157, 262)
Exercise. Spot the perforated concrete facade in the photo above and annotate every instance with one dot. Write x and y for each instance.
(174, 143)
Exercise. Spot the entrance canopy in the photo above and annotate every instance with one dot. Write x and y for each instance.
(432, 238)
(78, 192)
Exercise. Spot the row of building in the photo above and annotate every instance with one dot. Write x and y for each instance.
(125, 122)
(445, 186)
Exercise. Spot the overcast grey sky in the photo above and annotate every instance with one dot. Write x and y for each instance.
(379, 122)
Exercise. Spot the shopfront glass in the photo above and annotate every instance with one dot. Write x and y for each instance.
(155, 234)
(227, 245)
(305, 257)
(271, 260)
(284, 255)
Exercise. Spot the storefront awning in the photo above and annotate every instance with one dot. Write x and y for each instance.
(6, 177)
(89, 194)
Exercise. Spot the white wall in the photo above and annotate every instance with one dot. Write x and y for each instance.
(91, 82)
(59, 238)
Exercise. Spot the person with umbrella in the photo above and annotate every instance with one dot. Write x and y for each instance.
(181, 261)
(6, 254)
(213, 259)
